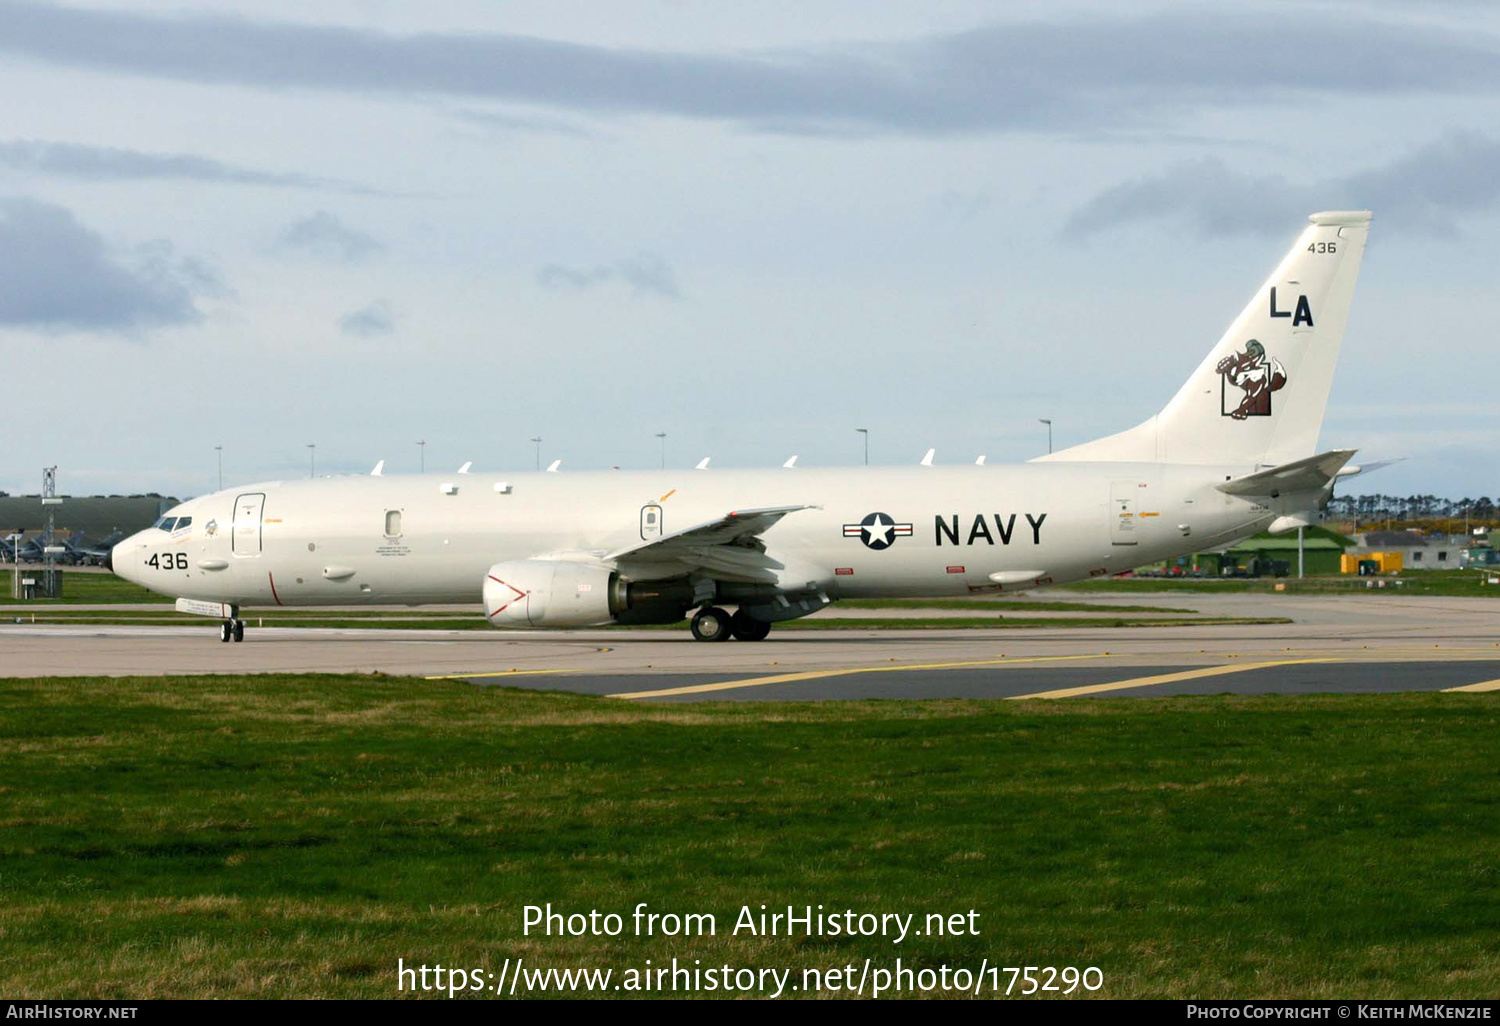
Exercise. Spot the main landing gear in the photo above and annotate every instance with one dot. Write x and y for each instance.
(232, 630)
(714, 624)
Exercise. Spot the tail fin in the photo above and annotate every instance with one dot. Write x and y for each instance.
(1259, 396)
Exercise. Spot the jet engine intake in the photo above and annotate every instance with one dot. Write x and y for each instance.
(551, 593)
(561, 593)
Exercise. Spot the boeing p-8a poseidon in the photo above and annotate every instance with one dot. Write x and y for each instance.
(1233, 453)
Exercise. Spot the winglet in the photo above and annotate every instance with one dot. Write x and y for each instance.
(789, 464)
(702, 464)
(379, 470)
(980, 461)
(552, 467)
(927, 460)
(465, 468)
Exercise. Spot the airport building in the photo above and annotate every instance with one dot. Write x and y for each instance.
(1276, 554)
(1321, 549)
(1418, 551)
(96, 516)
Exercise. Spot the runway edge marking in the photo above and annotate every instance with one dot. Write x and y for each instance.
(786, 678)
(1164, 678)
(498, 673)
(1484, 685)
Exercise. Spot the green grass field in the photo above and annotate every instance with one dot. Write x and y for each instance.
(92, 588)
(1414, 582)
(281, 835)
(82, 587)
(385, 620)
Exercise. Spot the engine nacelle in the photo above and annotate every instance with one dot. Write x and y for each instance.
(551, 593)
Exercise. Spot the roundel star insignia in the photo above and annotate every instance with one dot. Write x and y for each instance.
(877, 531)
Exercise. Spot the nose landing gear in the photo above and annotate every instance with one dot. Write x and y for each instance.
(232, 630)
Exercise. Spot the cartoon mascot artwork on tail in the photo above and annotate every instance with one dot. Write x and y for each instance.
(1256, 373)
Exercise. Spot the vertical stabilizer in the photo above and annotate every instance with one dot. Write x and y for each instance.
(1259, 395)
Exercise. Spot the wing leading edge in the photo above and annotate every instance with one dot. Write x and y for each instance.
(728, 547)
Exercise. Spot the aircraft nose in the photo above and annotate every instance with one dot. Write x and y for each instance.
(122, 558)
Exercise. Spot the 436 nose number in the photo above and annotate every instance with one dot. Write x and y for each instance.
(168, 561)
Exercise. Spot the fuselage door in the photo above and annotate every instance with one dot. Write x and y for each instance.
(244, 538)
(650, 522)
(1124, 512)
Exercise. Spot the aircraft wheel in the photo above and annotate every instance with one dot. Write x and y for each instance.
(711, 624)
(225, 631)
(748, 628)
(239, 630)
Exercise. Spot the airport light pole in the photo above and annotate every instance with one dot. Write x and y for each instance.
(15, 574)
(663, 436)
(422, 448)
(219, 449)
(1044, 420)
(866, 433)
(312, 459)
(537, 441)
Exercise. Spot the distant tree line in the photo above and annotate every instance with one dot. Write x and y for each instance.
(1411, 507)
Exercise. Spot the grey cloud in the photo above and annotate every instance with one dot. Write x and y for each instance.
(1104, 72)
(644, 273)
(56, 274)
(369, 321)
(1425, 190)
(499, 121)
(104, 163)
(324, 236)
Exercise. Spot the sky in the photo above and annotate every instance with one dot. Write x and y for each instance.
(361, 224)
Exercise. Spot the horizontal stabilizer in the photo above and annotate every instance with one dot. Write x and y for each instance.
(1368, 468)
(1300, 476)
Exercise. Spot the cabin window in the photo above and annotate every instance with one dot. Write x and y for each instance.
(392, 523)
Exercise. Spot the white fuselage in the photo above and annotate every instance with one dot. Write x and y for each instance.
(431, 538)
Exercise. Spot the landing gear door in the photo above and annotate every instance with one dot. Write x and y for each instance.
(244, 536)
(1124, 512)
(650, 522)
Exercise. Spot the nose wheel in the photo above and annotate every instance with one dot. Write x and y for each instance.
(232, 630)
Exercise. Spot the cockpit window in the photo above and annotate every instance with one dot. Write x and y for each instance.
(183, 523)
(165, 523)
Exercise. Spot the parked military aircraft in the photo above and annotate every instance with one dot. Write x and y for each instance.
(92, 553)
(1233, 453)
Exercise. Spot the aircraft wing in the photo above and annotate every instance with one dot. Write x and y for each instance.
(728, 547)
(1299, 476)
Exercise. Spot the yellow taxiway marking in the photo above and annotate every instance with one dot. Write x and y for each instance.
(1484, 685)
(1164, 678)
(497, 673)
(786, 678)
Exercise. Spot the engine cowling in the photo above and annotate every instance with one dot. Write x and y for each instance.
(551, 593)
